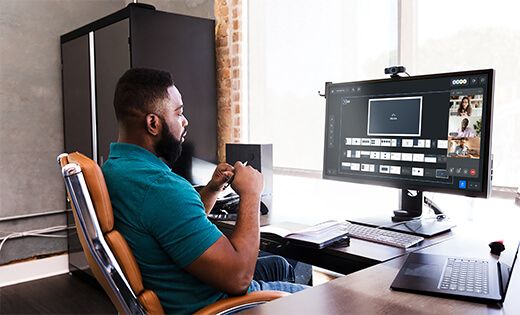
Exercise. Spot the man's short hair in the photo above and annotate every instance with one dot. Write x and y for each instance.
(139, 90)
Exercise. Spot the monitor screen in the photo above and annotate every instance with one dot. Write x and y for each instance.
(424, 133)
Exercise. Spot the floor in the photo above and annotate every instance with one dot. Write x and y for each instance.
(320, 277)
(66, 294)
(62, 294)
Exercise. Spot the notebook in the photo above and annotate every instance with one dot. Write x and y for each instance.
(451, 277)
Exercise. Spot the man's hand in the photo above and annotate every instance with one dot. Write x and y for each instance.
(221, 175)
(248, 181)
(210, 192)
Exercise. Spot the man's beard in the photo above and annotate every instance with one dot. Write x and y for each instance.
(168, 147)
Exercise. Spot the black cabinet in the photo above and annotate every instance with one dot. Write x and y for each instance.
(96, 55)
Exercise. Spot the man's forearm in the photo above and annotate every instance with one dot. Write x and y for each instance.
(229, 264)
(246, 234)
(209, 196)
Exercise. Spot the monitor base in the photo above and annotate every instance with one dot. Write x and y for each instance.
(403, 215)
(425, 227)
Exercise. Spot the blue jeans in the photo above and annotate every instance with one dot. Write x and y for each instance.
(274, 273)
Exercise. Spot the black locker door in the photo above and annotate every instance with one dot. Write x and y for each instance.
(184, 46)
(112, 56)
(76, 96)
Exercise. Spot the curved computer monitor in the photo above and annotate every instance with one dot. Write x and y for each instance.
(419, 133)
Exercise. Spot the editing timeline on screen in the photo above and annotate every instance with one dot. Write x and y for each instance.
(428, 132)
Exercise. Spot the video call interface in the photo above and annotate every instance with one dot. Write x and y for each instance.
(424, 132)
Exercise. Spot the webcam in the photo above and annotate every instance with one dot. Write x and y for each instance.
(395, 70)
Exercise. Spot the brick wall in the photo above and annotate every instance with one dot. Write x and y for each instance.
(228, 37)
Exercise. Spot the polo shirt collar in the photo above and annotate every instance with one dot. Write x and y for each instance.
(127, 150)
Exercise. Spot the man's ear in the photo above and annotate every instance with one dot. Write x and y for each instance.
(153, 124)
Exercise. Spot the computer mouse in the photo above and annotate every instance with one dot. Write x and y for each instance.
(497, 247)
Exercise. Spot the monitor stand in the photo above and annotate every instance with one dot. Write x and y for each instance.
(408, 218)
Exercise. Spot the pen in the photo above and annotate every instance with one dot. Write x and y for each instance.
(226, 185)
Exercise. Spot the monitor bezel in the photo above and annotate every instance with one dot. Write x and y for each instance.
(486, 150)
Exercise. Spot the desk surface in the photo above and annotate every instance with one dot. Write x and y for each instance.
(344, 260)
(368, 292)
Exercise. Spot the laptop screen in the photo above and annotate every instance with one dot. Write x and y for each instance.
(506, 263)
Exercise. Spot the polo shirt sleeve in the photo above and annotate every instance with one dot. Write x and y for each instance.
(174, 214)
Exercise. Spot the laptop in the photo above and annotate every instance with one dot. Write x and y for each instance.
(453, 277)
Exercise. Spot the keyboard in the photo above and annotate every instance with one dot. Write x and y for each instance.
(225, 210)
(377, 235)
(467, 275)
(223, 216)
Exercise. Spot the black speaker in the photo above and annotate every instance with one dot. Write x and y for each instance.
(259, 156)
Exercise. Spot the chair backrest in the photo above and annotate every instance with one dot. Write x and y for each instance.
(107, 252)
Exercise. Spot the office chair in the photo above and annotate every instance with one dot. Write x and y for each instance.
(108, 253)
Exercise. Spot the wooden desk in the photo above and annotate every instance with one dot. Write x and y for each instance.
(310, 201)
(368, 291)
(358, 255)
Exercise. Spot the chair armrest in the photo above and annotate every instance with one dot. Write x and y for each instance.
(232, 303)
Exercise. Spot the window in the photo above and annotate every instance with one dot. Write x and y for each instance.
(478, 34)
(295, 46)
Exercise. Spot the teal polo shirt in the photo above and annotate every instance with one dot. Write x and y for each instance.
(162, 218)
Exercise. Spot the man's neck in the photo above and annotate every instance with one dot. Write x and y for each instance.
(144, 143)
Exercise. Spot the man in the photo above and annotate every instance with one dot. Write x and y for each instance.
(464, 130)
(461, 149)
(183, 257)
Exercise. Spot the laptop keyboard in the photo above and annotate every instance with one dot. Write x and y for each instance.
(465, 275)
